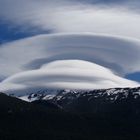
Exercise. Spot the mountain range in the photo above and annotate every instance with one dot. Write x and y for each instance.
(107, 114)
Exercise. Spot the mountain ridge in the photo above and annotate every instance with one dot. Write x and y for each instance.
(103, 100)
(72, 115)
(112, 93)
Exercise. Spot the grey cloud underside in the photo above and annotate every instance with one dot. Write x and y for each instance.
(130, 4)
(35, 64)
(108, 1)
(72, 61)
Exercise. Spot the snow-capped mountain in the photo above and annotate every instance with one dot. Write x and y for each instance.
(95, 101)
(111, 94)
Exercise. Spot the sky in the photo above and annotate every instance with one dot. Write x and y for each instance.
(43, 44)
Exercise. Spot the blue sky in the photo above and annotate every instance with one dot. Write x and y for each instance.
(10, 32)
(28, 18)
(134, 76)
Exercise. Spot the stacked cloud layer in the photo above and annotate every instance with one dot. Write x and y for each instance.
(68, 61)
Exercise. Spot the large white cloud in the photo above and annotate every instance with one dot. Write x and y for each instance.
(64, 74)
(82, 61)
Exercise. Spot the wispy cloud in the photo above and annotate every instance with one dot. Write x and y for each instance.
(74, 16)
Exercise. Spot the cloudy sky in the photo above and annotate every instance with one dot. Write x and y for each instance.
(75, 44)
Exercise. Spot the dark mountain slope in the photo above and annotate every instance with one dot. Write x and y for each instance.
(112, 114)
(20, 120)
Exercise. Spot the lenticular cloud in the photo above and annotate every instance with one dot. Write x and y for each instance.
(68, 61)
